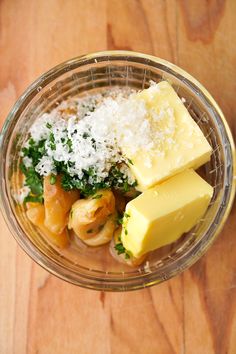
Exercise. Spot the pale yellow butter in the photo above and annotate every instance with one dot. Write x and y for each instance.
(162, 214)
(178, 142)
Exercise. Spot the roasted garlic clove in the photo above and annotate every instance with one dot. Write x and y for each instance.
(57, 204)
(104, 234)
(88, 217)
(36, 214)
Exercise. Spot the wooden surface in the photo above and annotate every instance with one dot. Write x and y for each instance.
(194, 313)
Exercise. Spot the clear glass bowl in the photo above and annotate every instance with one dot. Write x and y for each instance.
(94, 268)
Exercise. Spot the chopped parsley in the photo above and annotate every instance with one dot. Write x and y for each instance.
(119, 247)
(89, 185)
(86, 135)
(97, 196)
(130, 161)
(69, 144)
(120, 220)
(52, 141)
(34, 150)
(34, 181)
(53, 179)
(33, 199)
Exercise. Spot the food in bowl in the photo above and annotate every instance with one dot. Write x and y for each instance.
(116, 167)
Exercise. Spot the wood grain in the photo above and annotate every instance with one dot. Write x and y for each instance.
(191, 314)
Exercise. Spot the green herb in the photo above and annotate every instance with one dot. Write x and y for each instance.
(53, 179)
(120, 220)
(69, 144)
(23, 168)
(126, 232)
(89, 231)
(90, 172)
(126, 186)
(119, 247)
(86, 187)
(67, 182)
(35, 151)
(52, 141)
(33, 199)
(33, 180)
(119, 181)
(126, 215)
(61, 167)
(88, 184)
(130, 161)
(85, 135)
(127, 256)
(97, 196)
(48, 125)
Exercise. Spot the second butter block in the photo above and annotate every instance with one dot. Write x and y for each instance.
(162, 214)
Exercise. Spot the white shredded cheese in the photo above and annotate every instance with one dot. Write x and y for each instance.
(45, 166)
(98, 128)
(39, 129)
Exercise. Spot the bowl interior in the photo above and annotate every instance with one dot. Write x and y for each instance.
(94, 267)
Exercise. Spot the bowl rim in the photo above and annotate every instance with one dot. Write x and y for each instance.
(104, 283)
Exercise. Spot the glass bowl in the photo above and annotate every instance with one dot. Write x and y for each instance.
(94, 268)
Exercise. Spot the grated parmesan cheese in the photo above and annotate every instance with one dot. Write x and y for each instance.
(90, 132)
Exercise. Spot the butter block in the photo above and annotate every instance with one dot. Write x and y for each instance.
(178, 142)
(160, 215)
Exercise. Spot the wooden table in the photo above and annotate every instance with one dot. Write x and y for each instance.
(194, 313)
